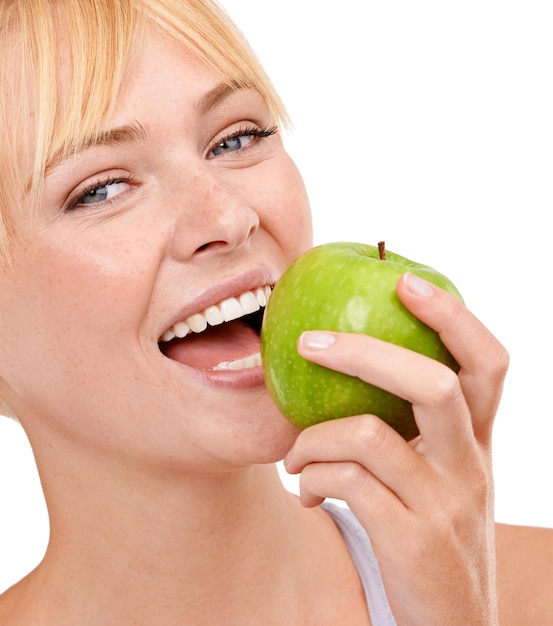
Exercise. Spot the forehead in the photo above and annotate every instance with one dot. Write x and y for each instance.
(161, 58)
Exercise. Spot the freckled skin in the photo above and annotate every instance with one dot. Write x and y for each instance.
(342, 287)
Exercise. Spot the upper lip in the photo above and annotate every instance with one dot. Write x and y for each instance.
(233, 287)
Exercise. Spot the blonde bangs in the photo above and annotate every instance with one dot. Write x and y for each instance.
(93, 43)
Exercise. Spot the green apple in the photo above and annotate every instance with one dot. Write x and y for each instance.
(346, 287)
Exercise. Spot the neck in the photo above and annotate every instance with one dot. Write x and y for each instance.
(154, 549)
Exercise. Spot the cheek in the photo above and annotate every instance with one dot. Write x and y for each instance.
(69, 306)
(284, 206)
(77, 291)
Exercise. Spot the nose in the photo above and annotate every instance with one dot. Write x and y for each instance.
(216, 219)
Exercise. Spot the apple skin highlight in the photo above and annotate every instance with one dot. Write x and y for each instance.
(344, 287)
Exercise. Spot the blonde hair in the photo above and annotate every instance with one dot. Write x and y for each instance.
(61, 67)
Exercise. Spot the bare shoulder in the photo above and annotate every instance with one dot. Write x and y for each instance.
(16, 606)
(524, 575)
(7, 601)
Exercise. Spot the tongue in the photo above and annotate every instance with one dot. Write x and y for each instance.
(217, 344)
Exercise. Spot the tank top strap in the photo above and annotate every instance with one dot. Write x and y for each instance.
(362, 554)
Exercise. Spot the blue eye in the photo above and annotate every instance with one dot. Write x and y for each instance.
(101, 192)
(232, 144)
(240, 140)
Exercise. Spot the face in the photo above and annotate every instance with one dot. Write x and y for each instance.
(183, 213)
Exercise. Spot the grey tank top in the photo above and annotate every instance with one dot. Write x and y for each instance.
(359, 546)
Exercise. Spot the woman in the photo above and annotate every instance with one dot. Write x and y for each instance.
(146, 192)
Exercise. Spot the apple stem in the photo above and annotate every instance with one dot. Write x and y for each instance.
(382, 250)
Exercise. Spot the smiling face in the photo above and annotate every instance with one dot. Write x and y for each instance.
(179, 215)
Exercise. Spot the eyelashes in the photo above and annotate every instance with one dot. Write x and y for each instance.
(100, 192)
(235, 141)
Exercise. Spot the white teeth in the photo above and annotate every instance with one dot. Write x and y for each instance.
(197, 323)
(240, 364)
(214, 316)
(168, 335)
(226, 311)
(181, 329)
(252, 361)
(231, 309)
(249, 302)
(262, 296)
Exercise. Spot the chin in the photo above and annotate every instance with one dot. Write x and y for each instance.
(268, 437)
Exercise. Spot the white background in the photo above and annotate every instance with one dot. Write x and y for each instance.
(428, 124)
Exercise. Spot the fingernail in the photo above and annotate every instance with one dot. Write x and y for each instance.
(317, 340)
(417, 285)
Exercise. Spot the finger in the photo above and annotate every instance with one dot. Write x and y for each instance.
(365, 442)
(372, 502)
(482, 358)
(433, 389)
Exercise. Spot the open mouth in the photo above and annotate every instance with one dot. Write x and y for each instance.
(224, 336)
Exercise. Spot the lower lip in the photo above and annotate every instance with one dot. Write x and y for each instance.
(249, 378)
(239, 379)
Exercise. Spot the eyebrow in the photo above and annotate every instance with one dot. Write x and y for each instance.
(129, 133)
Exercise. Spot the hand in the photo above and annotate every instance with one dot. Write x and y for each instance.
(427, 505)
